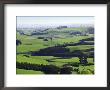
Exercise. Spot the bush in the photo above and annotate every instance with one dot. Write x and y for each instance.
(28, 66)
(47, 69)
(77, 70)
(75, 64)
(50, 69)
(40, 37)
(18, 42)
(66, 70)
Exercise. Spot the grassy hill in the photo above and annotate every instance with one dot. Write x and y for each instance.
(63, 38)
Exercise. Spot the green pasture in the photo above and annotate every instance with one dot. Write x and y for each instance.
(80, 47)
(59, 37)
(46, 60)
(31, 43)
(22, 71)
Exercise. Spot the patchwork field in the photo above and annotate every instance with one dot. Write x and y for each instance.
(55, 51)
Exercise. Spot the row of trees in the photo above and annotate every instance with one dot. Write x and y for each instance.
(52, 69)
(47, 69)
(62, 52)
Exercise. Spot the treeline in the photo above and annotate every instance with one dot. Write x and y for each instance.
(47, 69)
(62, 52)
(88, 39)
(52, 69)
(59, 50)
(90, 30)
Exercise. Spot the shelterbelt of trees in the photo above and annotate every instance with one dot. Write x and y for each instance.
(51, 69)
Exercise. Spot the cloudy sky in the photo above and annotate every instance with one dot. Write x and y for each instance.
(55, 20)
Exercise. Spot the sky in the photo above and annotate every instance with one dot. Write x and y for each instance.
(56, 20)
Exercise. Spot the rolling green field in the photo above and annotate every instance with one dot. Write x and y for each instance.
(40, 49)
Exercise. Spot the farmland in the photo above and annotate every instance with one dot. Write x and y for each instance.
(55, 51)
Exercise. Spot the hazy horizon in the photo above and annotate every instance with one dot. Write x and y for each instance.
(28, 21)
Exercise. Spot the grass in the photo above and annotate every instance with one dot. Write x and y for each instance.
(74, 59)
(59, 36)
(30, 43)
(79, 47)
(22, 71)
(34, 59)
(28, 48)
(52, 60)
